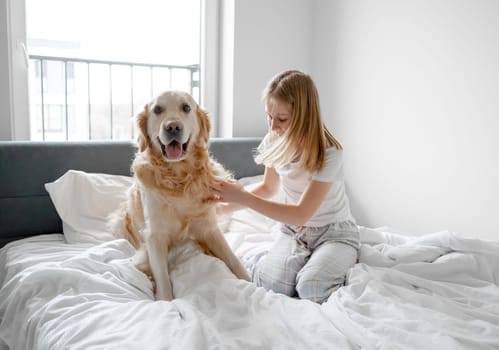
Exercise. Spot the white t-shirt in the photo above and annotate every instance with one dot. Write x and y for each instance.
(335, 207)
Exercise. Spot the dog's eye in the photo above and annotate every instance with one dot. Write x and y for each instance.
(158, 110)
(186, 108)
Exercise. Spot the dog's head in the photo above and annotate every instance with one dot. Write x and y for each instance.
(172, 124)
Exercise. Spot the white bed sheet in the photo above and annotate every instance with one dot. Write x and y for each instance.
(438, 291)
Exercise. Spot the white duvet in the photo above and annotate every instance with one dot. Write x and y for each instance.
(60, 296)
(439, 291)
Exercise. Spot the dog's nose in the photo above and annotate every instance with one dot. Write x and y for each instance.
(173, 127)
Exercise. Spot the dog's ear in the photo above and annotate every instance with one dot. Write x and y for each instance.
(204, 125)
(143, 138)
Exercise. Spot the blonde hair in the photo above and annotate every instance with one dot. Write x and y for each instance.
(306, 139)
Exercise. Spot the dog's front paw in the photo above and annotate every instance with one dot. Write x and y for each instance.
(141, 262)
(164, 294)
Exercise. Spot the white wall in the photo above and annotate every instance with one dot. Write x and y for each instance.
(411, 88)
(269, 36)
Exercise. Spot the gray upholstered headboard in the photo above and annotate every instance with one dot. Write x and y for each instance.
(25, 167)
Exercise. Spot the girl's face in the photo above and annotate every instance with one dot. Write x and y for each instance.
(278, 115)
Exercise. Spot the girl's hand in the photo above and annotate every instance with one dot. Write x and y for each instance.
(230, 191)
(223, 208)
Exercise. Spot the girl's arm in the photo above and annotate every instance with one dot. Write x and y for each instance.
(294, 214)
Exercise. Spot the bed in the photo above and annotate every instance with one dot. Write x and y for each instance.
(66, 283)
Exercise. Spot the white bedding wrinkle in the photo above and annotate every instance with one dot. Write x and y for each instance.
(438, 291)
(451, 303)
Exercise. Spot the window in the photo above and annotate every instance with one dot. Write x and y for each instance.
(15, 64)
(94, 67)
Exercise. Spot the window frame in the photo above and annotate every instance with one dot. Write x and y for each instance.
(14, 65)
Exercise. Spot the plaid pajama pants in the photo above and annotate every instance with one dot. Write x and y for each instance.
(309, 262)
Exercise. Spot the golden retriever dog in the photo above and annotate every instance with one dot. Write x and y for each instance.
(172, 198)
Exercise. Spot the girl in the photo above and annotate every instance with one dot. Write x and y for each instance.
(319, 238)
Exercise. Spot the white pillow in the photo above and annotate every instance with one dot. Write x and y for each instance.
(84, 200)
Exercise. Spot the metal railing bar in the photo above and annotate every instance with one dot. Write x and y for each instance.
(66, 97)
(132, 101)
(125, 63)
(89, 103)
(43, 100)
(192, 80)
(111, 100)
(151, 92)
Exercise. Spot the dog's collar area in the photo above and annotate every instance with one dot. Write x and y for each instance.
(173, 150)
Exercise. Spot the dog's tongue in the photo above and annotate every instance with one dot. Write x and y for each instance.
(173, 150)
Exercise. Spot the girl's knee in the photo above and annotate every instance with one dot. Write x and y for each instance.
(275, 285)
(273, 281)
(317, 290)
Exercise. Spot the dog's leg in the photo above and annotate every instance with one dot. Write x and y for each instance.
(221, 249)
(209, 235)
(157, 249)
(157, 243)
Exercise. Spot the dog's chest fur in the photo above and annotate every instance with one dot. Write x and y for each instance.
(176, 195)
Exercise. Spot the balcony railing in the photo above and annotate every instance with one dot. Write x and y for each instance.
(80, 99)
